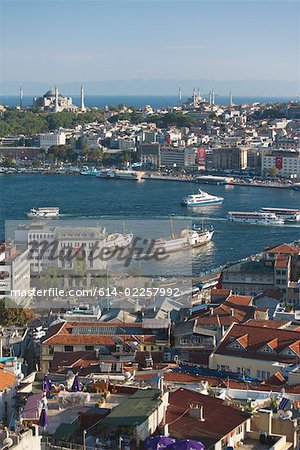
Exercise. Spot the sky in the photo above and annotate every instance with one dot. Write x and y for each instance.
(82, 40)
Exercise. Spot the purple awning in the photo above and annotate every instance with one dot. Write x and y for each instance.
(159, 442)
(187, 444)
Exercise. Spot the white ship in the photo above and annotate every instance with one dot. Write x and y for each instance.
(118, 240)
(44, 213)
(201, 199)
(188, 239)
(121, 174)
(284, 213)
(89, 172)
(260, 218)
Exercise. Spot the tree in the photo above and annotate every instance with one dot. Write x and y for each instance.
(273, 172)
(11, 314)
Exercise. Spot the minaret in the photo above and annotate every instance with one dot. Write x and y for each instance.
(213, 97)
(210, 98)
(230, 99)
(56, 99)
(21, 97)
(194, 97)
(82, 107)
(179, 95)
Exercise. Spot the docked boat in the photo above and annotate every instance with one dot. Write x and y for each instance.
(201, 199)
(89, 172)
(118, 240)
(44, 213)
(284, 213)
(260, 218)
(187, 239)
(121, 175)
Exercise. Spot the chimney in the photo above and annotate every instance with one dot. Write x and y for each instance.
(197, 412)
(232, 312)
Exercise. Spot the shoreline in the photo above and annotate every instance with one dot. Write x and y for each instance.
(153, 177)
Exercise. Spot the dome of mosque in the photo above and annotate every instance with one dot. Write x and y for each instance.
(50, 93)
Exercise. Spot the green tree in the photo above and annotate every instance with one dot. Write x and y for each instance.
(11, 314)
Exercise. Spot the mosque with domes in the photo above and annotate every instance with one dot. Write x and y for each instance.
(53, 101)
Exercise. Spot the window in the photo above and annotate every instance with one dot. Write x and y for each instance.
(89, 348)
(68, 348)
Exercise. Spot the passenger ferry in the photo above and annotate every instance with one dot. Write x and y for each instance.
(201, 199)
(89, 172)
(44, 213)
(118, 240)
(284, 213)
(121, 175)
(260, 218)
(187, 239)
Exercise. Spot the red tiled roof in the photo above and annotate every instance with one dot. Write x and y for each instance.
(286, 249)
(7, 380)
(72, 359)
(239, 300)
(282, 261)
(221, 292)
(182, 426)
(225, 314)
(268, 323)
(62, 334)
(258, 337)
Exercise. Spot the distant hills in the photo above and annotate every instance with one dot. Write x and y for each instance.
(260, 88)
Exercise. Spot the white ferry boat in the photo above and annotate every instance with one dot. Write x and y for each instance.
(121, 174)
(201, 199)
(118, 240)
(284, 213)
(188, 239)
(261, 218)
(44, 213)
(90, 172)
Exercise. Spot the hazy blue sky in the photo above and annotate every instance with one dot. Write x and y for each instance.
(81, 40)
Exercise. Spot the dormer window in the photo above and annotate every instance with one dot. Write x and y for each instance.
(267, 349)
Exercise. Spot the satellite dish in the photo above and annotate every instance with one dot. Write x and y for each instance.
(280, 413)
(288, 415)
(21, 376)
(8, 442)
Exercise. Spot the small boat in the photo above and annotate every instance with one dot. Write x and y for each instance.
(44, 213)
(201, 199)
(259, 218)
